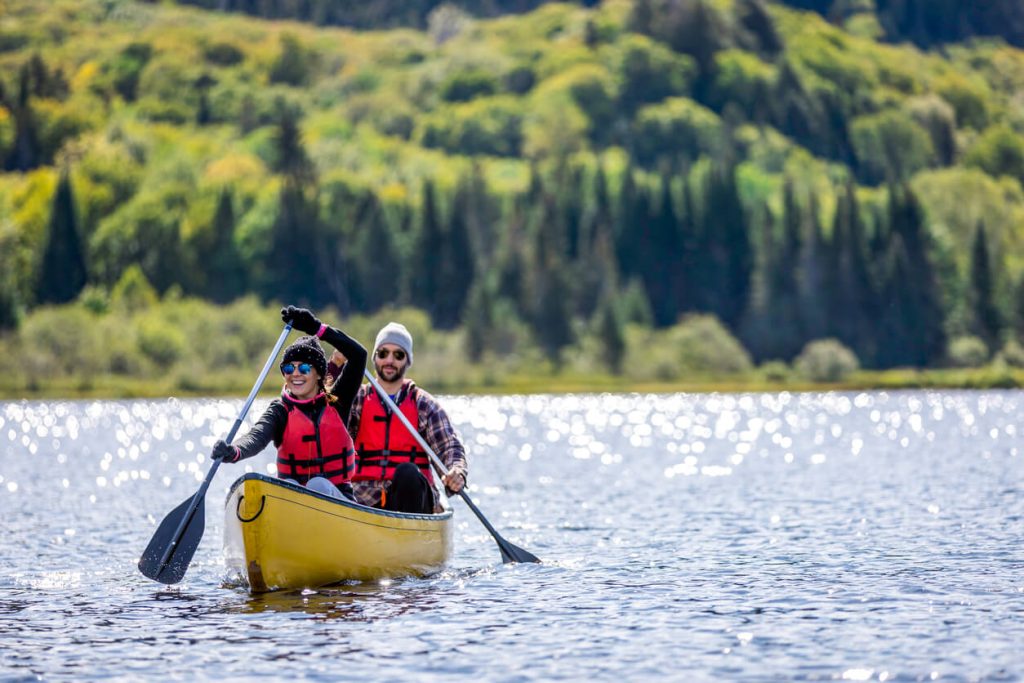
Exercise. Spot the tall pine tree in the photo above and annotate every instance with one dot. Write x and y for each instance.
(63, 273)
(986, 320)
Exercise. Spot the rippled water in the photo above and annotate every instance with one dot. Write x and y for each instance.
(686, 537)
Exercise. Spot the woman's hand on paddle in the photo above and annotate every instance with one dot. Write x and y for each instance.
(302, 319)
(224, 451)
(454, 481)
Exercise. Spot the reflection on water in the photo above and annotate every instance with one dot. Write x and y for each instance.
(862, 536)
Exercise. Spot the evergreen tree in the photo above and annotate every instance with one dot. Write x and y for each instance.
(291, 159)
(659, 256)
(24, 154)
(611, 332)
(725, 249)
(854, 295)
(549, 308)
(986, 320)
(915, 319)
(454, 264)
(479, 318)
(63, 273)
(596, 264)
(297, 243)
(814, 306)
(223, 260)
(374, 261)
(292, 272)
(423, 271)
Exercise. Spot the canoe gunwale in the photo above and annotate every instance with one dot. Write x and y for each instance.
(345, 503)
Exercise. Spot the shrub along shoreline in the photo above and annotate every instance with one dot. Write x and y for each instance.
(131, 344)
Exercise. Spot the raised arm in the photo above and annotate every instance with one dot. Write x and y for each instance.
(347, 384)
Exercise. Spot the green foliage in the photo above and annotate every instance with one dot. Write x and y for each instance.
(467, 85)
(490, 126)
(969, 99)
(295, 62)
(120, 75)
(890, 147)
(202, 151)
(1012, 354)
(999, 151)
(650, 72)
(968, 352)
(132, 292)
(742, 79)
(698, 345)
(159, 339)
(223, 54)
(826, 360)
(677, 127)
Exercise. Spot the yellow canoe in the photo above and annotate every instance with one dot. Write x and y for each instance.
(280, 536)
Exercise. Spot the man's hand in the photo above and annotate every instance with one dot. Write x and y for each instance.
(454, 481)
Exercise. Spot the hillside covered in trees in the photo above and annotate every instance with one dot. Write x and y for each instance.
(544, 178)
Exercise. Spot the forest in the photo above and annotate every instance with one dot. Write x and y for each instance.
(649, 189)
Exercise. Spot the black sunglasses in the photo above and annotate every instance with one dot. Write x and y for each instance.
(399, 354)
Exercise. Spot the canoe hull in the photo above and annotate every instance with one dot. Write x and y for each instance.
(281, 536)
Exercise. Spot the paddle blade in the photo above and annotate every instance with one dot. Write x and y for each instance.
(178, 550)
(513, 553)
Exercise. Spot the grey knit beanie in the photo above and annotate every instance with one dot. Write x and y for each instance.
(395, 333)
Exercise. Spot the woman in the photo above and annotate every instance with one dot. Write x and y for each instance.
(308, 422)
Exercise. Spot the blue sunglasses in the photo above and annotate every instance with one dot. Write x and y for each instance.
(289, 368)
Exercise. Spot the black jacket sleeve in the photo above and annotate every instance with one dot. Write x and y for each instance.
(270, 427)
(347, 385)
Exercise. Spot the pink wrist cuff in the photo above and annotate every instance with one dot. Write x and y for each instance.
(320, 332)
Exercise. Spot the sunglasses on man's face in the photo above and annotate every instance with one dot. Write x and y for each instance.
(399, 354)
(289, 368)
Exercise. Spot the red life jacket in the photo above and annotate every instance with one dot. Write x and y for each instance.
(383, 443)
(310, 450)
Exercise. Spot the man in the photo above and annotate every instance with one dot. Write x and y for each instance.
(392, 469)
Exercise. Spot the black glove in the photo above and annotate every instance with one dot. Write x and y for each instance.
(302, 319)
(222, 450)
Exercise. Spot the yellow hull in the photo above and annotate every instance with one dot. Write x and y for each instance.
(282, 536)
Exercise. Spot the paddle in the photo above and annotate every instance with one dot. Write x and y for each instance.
(509, 552)
(170, 551)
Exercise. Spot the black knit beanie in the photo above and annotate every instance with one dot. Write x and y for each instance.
(307, 350)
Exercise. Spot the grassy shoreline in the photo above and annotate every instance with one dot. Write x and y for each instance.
(238, 386)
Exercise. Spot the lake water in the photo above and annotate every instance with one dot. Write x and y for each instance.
(862, 536)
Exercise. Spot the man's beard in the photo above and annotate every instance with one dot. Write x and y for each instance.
(398, 375)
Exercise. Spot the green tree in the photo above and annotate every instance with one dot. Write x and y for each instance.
(62, 275)
(889, 146)
(913, 322)
(854, 302)
(221, 257)
(986, 320)
(425, 286)
(294, 64)
(610, 328)
(455, 263)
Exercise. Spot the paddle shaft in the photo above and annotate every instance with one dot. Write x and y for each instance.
(201, 493)
(509, 552)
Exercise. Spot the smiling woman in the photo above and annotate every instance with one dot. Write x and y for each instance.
(308, 422)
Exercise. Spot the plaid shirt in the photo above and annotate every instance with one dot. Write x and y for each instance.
(433, 425)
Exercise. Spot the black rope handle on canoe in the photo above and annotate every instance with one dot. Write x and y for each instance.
(238, 509)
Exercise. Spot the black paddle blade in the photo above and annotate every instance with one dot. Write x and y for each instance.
(513, 553)
(181, 549)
